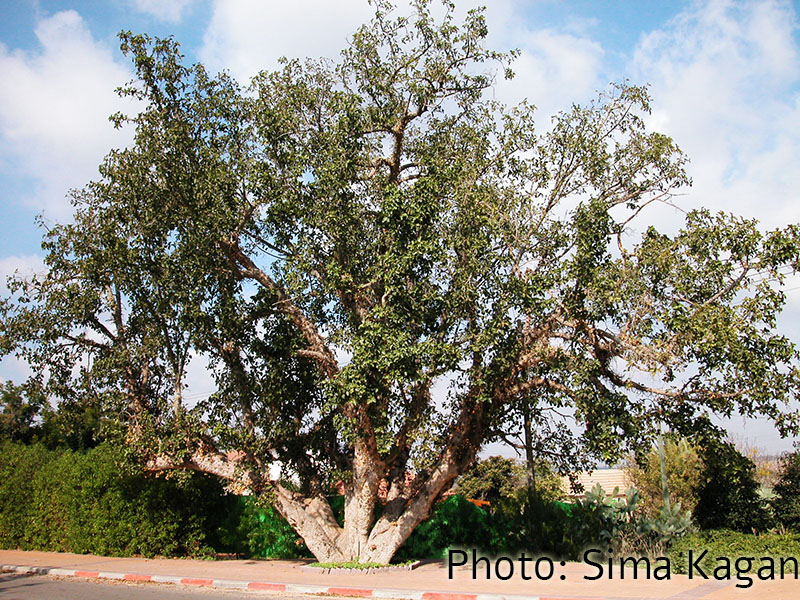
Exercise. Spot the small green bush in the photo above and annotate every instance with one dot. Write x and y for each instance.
(733, 545)
(542, 527)
(266, 534)
(786, 503)
(684, 468)
(728, 496)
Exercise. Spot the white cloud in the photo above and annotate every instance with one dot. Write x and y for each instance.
(726, 84)
(553, 71)
(24, 266)
(247, 36)
(171, 11)
(54, 108)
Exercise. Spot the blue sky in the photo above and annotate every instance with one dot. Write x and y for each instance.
(724, 75)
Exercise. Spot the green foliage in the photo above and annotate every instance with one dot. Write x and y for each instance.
(615, 525)
(19, 468)
(99, 503)
(732, 544)
(495, 479)
(549, 528)
(455, 523)
(786, 503)
(729, 495)
(684, 467)
(266, 534)
(388, 207)
(18, 410)
(26, 416)
(503, 483)
(78, 426)
(548, 484)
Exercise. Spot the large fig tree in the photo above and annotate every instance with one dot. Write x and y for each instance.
(386, 269)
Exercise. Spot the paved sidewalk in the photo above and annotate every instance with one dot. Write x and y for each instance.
(428, 582)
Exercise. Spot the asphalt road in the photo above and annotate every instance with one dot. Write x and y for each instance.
(14, 586)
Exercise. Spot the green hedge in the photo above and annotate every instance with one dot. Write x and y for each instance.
(97, 502)
(733, 545)
(455, 523)
(262, 533)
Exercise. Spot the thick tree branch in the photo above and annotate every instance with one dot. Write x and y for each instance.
(317, 344)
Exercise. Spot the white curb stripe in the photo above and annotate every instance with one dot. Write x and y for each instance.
(165, 579)
(404, 594)
(306, 589)
(230, 583)
(110, 575)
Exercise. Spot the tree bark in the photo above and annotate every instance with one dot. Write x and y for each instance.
(314, 520)
(360, 498)
(392, 529)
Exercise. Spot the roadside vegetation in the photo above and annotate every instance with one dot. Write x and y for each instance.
(386, 270)
(67, 483)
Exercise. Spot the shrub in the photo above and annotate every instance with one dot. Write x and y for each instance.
(266, 534)
(455, 522)
(99, 503)
(544, 527)
(684, 468)
(729, 496)
(786, 503)
(732, 544)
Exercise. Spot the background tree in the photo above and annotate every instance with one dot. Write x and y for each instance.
(492, 479)
(786, 503)
(503, 482)
(685, 468)
(728, 497)
(342, 239)
(18, 413)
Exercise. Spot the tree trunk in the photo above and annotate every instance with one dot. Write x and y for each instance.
(361, 494)
(529, 450)
(312, 517)
(314, 520)
(394, 526)
(358, 541)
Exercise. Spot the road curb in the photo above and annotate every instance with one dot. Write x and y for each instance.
(266, 586)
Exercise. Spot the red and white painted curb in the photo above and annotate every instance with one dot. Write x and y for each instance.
(271, 587)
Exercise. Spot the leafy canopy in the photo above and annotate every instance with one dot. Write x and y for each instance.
(384, 266)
